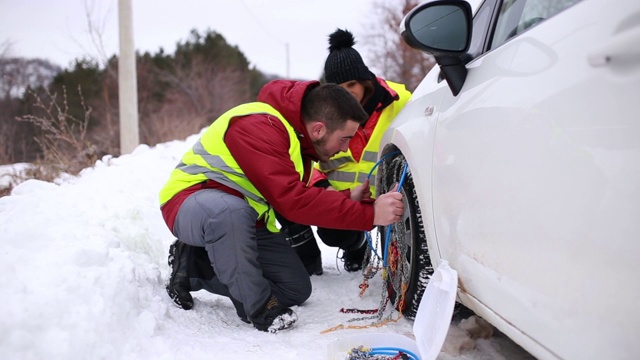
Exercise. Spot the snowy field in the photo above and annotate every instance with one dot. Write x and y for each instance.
(84, 265)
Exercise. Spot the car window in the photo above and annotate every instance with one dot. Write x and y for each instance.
(481, 21)
(516, 16)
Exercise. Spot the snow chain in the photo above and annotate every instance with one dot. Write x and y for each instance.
(395, 265)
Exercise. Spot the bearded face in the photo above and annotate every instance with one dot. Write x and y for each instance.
(329, 144)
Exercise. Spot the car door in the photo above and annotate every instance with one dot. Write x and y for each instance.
(535, 173)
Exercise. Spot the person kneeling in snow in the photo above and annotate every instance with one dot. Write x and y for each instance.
(254, 160)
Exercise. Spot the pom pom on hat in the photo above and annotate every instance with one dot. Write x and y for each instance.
(344, 63)
(341, 39)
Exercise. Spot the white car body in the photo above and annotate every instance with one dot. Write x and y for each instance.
(529, 181)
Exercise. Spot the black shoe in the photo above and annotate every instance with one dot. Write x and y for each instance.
(240, 310)
(354, 259)
(314, 266)
(178, 287)
(274, 317)
(301, 239)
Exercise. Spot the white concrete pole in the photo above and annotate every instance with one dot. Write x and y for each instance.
(287, 51)
(127, 81)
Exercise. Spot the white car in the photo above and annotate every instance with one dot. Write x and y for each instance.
(523, 156)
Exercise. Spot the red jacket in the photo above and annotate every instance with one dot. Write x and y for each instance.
(261, 149)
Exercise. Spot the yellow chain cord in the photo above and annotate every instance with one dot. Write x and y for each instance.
(355, 327)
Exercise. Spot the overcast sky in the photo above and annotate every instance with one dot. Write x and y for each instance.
(58, 30)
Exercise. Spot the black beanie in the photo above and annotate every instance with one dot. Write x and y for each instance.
(344, 63)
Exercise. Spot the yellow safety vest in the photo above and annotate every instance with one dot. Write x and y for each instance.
(343, 171)
(210, 158)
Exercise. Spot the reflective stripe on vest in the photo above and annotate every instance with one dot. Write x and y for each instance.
(211, 159)
(343, 171)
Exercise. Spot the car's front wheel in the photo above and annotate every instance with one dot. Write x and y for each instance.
(409, 265)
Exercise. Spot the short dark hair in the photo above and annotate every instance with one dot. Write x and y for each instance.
(332, 105)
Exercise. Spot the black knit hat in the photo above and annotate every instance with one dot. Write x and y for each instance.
(344, 63)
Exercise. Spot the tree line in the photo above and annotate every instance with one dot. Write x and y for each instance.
(178, 94)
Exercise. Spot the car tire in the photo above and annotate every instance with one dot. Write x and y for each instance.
(407, 236)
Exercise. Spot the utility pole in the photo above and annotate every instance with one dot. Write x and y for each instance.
(127, 81)
(287, 51)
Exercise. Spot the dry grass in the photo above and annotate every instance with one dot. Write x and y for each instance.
(63, 141)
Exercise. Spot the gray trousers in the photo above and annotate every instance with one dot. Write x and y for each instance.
(249, 263)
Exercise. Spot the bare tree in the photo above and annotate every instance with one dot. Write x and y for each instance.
(16, 76)
(96, 22)
(389, 54)
(19, 74)
(5, 130)
(63, 138)
(198, 93)
(5, 49)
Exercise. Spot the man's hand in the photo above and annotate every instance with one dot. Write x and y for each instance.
(361, 192)
(388, 208)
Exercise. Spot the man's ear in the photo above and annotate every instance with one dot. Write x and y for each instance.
(317, 130)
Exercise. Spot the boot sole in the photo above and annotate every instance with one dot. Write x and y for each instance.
(282, 322)
(188, 305)
(185, 305)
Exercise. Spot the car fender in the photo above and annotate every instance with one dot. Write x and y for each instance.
(413, 133)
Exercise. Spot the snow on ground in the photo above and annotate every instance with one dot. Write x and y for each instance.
(10, 174)
(84, 265)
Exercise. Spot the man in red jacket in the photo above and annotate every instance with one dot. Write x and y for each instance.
(270, 155)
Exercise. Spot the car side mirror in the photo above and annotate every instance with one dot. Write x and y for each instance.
(443, 29)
